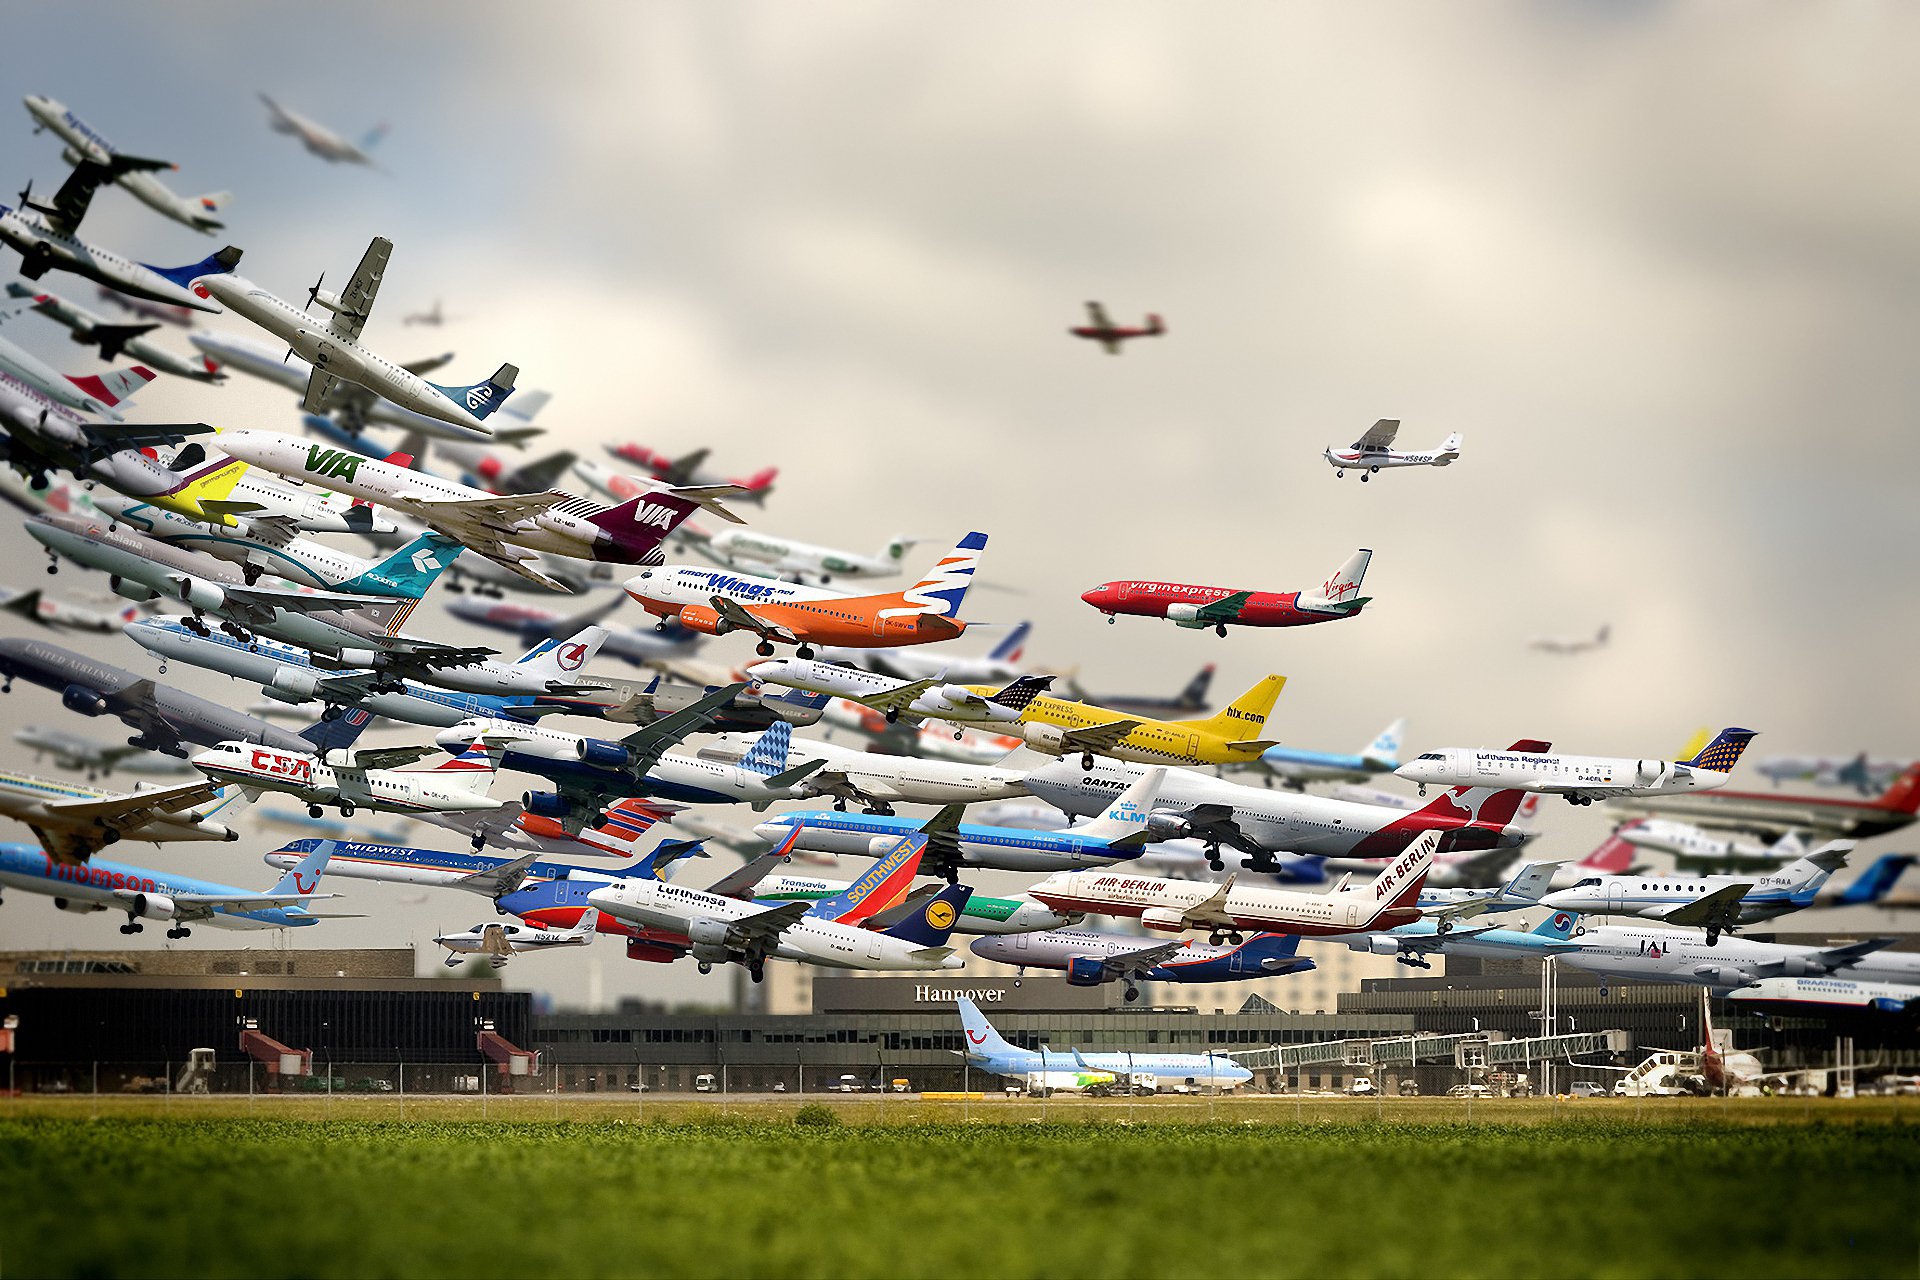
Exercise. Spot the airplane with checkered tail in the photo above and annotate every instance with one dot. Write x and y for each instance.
(1526, 766)
(716, 602)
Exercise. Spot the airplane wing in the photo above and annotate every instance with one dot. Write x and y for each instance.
(764, 928)
(496, 882)
(1132, 963)
(747, 620)
(1097, 316)
(356, 300)
(1225, 609)
(134, 808)
(71, 201)
(261, 604)
(739, 883)
(683, 468)
(1718, 910)
(1098, 737)
(1419, 944)
(836, 783)
(388, 757)
(1211, 911)
(1214, 824)
(482, 525)
(68, 846)
(897, 699)
(647, 744)
(150, 435)
(320, 386)
(942, 830)
(1380, 435)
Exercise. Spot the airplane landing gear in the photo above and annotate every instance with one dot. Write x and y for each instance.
(893, 715)
(660, 625)
(1111, 619)
(346, 808)
(803, 652)
(764, 649)
(479, 841)
(705, 967)
(1133, 993)
(1220, 629)
(1017, 975)
(757, 970)
(315, 811)
(132, 926)
(1713, 935)
(1214, 861)
(1086, 762)
(179, 931)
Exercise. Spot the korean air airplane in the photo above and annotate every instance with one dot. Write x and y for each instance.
(100, 885)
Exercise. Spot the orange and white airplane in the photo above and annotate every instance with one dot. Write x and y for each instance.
(1060, 727)
(715, 601)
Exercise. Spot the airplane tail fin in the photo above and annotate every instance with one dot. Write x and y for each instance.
(472, 770)
(768, 754)
(1450, 447)
(212, 202)
(982, 1039)
(657, 513)
(483, 398)
(794, 699)
(1195, 694)
(1720, 755)
(526, 407)
(1244, 717)
(1601, 636)
(1532, 881)
(337, 735)
(944, 587)
(1877, 880)
(1904, 795)
(371, 138)
(933, 923)
(1342, 587)
(564, 659)
(116, 386)
(214, 264)
(588, 922)
(1384, 750)
(1155, 325)
(303, 877)
(879, 887)
(1127, 815)
(1012, 644)
(760, 483)
(412, 569)
(1399, 885)
(1022, 691)
(1559, 926)
(1806, 875)
(1612, 857)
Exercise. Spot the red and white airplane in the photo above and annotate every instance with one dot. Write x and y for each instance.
(1101, 329)
(691, 468)
(1186, 605)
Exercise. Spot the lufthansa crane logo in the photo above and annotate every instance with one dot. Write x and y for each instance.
(940, 914)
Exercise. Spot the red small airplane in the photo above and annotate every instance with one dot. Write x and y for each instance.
(1186, 605)
(1103, 330)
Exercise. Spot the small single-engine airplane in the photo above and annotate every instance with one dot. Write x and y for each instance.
(1101, 329)
(1374, 450)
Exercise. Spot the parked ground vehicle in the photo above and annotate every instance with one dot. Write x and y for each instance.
(845, 1084)
(1470, 1091)
(704, 1083)
(1588, 1089)
(1361, 1087)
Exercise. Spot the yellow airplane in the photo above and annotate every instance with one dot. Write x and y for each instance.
(1232, 736)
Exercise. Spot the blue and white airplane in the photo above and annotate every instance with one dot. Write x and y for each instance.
(1297, 766)
(1045, 1070)
(101, 885)
(1410, 944)
(1117, 835)
(1090, 959)
(1716, 903)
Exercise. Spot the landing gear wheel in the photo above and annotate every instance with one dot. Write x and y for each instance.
(1133, 993)
(1713, 937)
(1086, 762)
(952, 873)
(893, 715)
(757, 971)
(1215, 862)
(1220, 629)
(803, 652)
(346, 808)
(660, 625)
(1363, 478)
(315, 811)
(1215, 938)
(330, 713)
(479, 841)
(764, 649)
(1111, 619)
(705, 967)
(52, 567)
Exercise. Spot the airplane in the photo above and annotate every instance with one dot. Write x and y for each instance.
(1175, 906)
(1374, 450)
(1865, 775)
(336, 352)
(753, 551)
(1091, 959)
(165, 313)
(1296, 766)
(879, 782)
(981, 915)
(92, 757)
(1043, 1070)
(500, 941)
(85, 144)
(435, 317)
(931, 739)
(504, 529)
(351, 780)
(1719, 904)
(1258, 821)
(1621, 952)
(1696, 846)
(321, 141)
(1002, 662)
(533, 623)
(1100, 328)
(1571, 644)
(1191, 698)
(1771, 813)
(914, 699)
(1411, 944)
(37, 607)
(73, 821)
(39, 434)
(1581, 779)
(726, 929)
(951, 843)
(164, 718)
(1198, 608)
(752, 708)
(114, 340)
(45, 235)
(1525, 889)
(102, 395)
(1833, 994)
(1058, 727)
(210, 489)
(691, 469)
(715, 603)
(163, 895)
(494, 878)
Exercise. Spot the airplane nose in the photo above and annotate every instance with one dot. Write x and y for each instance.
(1096, 596)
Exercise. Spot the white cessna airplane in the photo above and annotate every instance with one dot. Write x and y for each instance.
(83, 143)
(498, 940)
(914, 699)
(335, 351)
(359, 778)
(1581, 779)
(1374, 450)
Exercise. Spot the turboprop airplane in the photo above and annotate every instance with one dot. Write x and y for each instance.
(1296, 767)
(113, 340)
(1044, 1070)
(1774, 814)
(335, 351)
(500, 941)
(164, 895)
(505, 529)
(1174, 906)
(322, 141)
(72, 821)
(1090, 959)
(691, 469)
(1198, 608)
(1100, 328)
(1374, 450)
(714, 603)
(354, 779)
(1717, 903)
(1571, 644)
(752, 551)
(914, 699)
(1581, 779)
(84, 144)
(1058, 727)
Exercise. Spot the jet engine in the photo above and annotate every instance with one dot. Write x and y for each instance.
(1182, 612)
(149, 906)
(546, 804)
(1381, 945)
(1165, 919)
(602, 754)
(78, 908)
(132, 590)
(202, 594)
(290, 684)
(88, 702)
(705, 619)
(1050, 738)
(708, 933)
(1163, 824)
(711, 955)
(1087, 971)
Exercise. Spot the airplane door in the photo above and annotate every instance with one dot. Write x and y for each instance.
(1616, 899)
(873, 946)
(1353, 914)
(1126, 592)
(1193, 746)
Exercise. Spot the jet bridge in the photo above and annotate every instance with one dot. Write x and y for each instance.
(1493, 1046)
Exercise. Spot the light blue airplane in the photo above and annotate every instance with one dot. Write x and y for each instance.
(1296, 766)
(1410, 944)
(100, 885)
(1043, 1071)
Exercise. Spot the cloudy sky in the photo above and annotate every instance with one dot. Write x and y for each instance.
(1655, 262)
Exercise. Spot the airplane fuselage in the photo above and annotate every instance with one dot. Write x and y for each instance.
(38, 242)
(1181, 603)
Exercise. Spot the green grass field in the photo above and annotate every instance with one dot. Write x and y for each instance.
(140, 1187)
